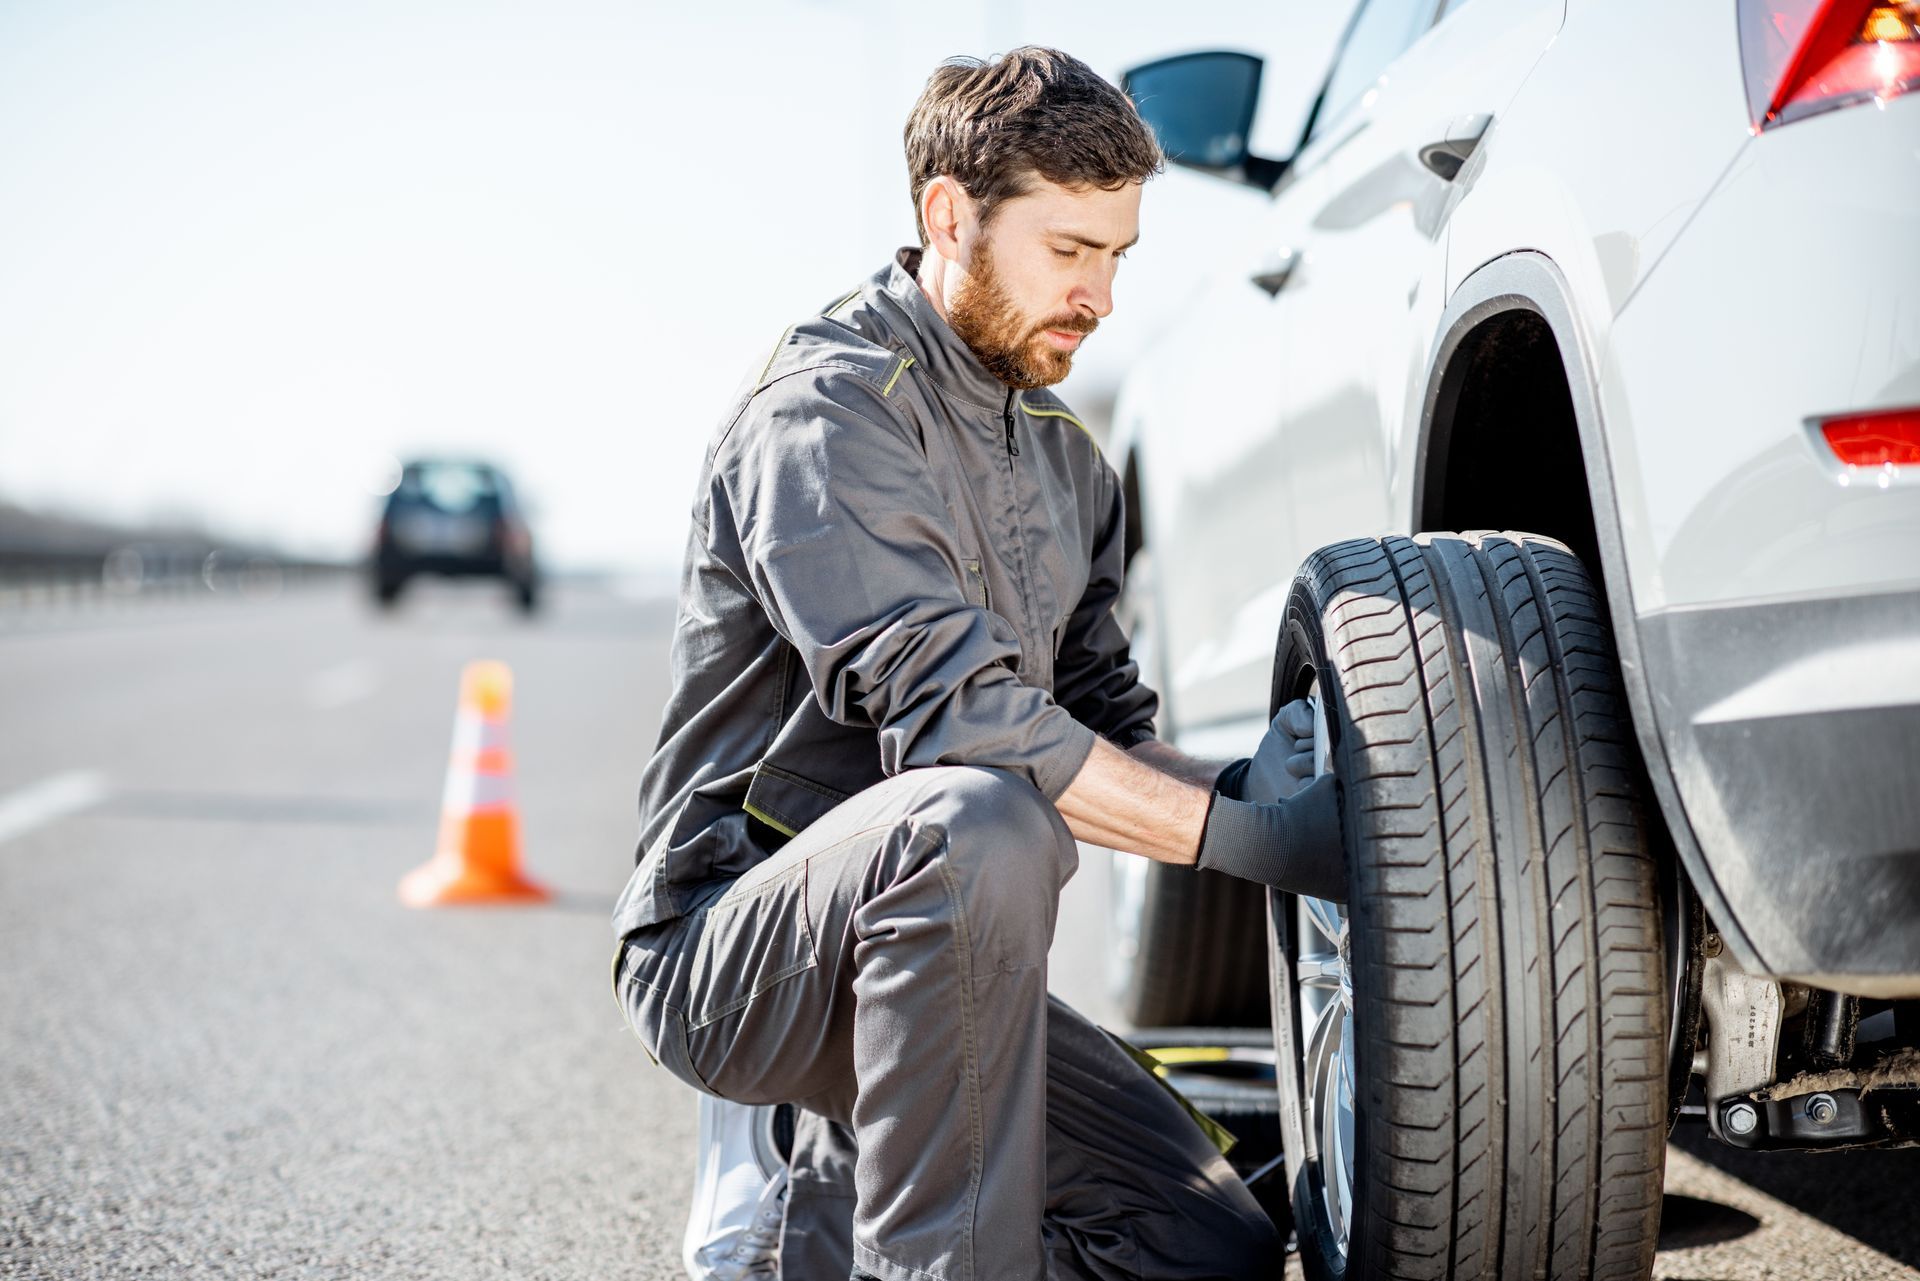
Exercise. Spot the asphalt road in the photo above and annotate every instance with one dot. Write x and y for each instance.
(227, 1050)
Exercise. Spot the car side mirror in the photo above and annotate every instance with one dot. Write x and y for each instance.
(1200, 106)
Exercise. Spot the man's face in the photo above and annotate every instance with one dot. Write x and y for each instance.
(1039, 277)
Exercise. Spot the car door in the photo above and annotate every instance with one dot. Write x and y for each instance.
(1369, 288)
(1335, 320)
(1229, 536)
(1209, 454)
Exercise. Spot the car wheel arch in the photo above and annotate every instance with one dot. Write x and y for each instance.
(1136, 532)
(1526, 290)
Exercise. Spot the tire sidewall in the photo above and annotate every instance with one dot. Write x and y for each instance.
(1504, 945)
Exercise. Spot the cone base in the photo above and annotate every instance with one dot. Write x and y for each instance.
(444, 882)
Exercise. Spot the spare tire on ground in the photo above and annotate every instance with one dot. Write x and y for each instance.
(1228, 1074)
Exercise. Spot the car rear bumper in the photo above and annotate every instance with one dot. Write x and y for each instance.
(1776, 592)
(490, 564)
(1792, 731)
(1767, 315)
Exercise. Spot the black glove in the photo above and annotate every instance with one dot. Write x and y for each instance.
(1293, 845)
(1282, 763)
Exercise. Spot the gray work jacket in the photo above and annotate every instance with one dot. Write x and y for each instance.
(895, 561)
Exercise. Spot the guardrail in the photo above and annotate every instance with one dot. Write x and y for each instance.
(41, 578)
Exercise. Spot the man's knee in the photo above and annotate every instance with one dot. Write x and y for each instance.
(1005, 847)
(998, 825)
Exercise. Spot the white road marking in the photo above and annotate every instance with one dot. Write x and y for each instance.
(48, 800)
(338, 686)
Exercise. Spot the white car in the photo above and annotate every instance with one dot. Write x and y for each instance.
(1633, 794)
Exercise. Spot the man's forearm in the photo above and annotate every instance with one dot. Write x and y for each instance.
(1159, 803)
(1151, 801)
(1171, 760)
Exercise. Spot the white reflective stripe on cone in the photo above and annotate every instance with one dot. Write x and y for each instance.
(474, 734)
(471, 792)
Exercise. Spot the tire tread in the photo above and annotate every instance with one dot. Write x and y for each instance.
(1513, 1083)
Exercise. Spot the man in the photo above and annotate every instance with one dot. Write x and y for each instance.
(899, 696)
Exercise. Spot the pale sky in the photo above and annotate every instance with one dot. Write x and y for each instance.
(250, 250)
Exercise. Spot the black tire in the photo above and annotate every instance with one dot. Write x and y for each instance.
(1186, 945)
(1237, 1090)
(526, 596)
(1504, 943)
(1194, 951)
(386, 591)
(1239, 1094)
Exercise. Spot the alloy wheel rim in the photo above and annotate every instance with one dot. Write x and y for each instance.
(1323, 981)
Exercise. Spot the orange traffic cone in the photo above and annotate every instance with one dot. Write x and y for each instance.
(478, 858)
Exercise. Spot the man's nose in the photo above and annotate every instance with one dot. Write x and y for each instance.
(1093, 292)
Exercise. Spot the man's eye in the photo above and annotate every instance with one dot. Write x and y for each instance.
(1064, 253)
(1120, 255)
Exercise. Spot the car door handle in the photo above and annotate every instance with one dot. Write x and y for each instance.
(1273, 273)
(1457, 140)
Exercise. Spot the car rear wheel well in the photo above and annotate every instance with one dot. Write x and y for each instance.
(1503, 447)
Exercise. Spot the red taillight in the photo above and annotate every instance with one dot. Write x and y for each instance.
(515, 537)
(1888, 438)
(1804, 56)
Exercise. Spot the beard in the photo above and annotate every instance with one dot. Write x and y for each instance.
(1013, 348)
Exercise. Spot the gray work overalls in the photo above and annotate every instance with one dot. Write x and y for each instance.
(894, 648)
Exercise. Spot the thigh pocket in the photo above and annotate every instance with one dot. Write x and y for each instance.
(785, 801)
(752, 938)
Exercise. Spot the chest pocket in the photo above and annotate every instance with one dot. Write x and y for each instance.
(976, 582)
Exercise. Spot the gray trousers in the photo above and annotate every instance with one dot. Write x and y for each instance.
(886, 972)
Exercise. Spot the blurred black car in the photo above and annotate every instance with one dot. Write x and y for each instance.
(457, 518)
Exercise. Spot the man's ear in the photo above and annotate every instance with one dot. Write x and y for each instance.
(947, 211)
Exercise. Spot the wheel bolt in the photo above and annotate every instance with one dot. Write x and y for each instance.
(1741, 1118)
(1821, 1109)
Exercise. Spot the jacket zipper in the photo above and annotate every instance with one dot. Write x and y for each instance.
(1019, 536)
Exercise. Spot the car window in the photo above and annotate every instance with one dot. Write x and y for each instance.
(1379, 33)
(451, 487)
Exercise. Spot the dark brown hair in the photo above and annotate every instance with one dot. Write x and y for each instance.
(992, 125)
